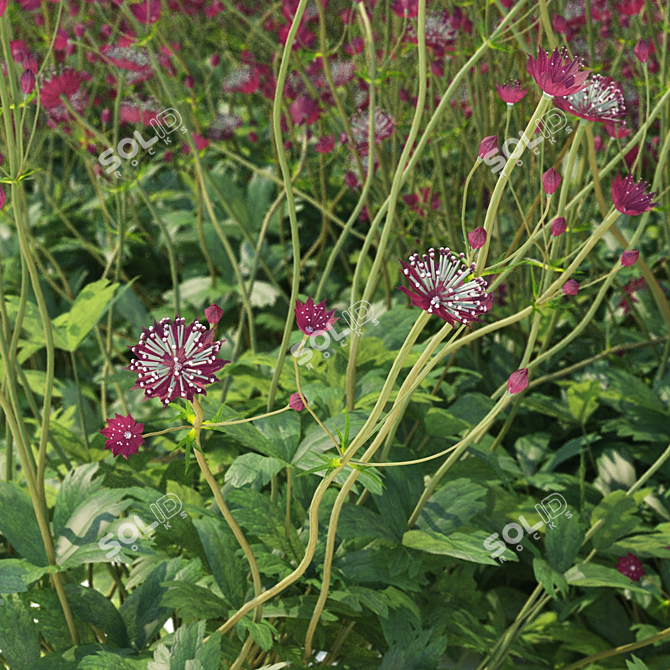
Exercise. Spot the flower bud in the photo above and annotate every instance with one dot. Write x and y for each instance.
(558, 226)
(550, 180)
(629, 258)
(488, 145)
(27, 82)
(477, 238)
(213, 313)
(571, 287)
(518, 381)
(641, 51)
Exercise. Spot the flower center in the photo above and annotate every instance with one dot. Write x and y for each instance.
(127, 435)
(177, 368)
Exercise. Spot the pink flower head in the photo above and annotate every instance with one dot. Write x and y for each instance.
(601, 101)
(295, 402)
(27, 82)
(325, 144)
(304, 110)
(384, 125)
(557, 74)
(630, 566)
(175, 361)
(631, 7)
(617, 131)
(441, 32)
(560, 24)
(147, 11)
(550, 180)
(571, 287)
(511, 92)
(518, 381)
(66, 84)
(629, 258)
(312, 318)
(3, 197)
(489, 145)
(441, 288)
(215, 60)
(630, 198)
(3, 7)
(641, 51)
(213, 313)
(224, 126)
(477, 238)
(558, 226)
(405, 8)
(244, 79)
(124, 436)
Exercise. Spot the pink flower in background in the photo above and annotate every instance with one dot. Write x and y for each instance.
(311, 318)
(601, 101)
(304, 110)
(571, 287)
(560, 24)
(3, 7)
(518, 381)
(630, 289)
(3, 197)
(61, 41)
(224, 126)
(417, 202)
(355, 46)
(488, 145)
(557, 74)
(631, 7)
(175, 361)
(130, 113)
(384, 125)
(598, 143)
(106, 115)
(325, 144)
(641, 51)
(558, 226)
(630, 198)
(66, 84)
(617, 131)
(629, 258)
(477, 238)
(124, 436)
(441, 287)
(630, 566)
(189, 82)
(213, 314)
(295, 402)
(27, 82)
(441, 32)
(200, 143)
(30, 63)
(244, 79)
(511, 92)
(402, 8)
(550, 181)
(147, 12)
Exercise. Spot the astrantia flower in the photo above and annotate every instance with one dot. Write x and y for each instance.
(631, 7)
(66, 84)
(550, 181)
(571, 287)
(518, 381)
(629, 258)
(641, 51)
(224, 126)
(557, 74)
(489, 145)
(325, 144)
(630, 566)
(384, 126)
(617, 131)
(558, 226)
(244, 79)
(405, 8)
(441, 287)
(304, 110)
(312, 318)
(477, 238)
(124, 436)
(175, 361)
(511, 92)
(559, 24)
(601, 101)
(440, 32)
(295, 402)
(147, 12)
(629, 197)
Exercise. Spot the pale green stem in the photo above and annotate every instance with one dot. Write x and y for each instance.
(465, 200)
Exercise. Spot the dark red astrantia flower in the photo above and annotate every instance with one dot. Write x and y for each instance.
(124, 436)
(601, 101)
(629, 197)
(313, 318)
(441, 287)
(147, 12)
(557, 74)
(630, 566)
(66, 84)
(175, 361)
(511, 92)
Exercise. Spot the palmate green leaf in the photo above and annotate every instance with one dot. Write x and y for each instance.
(618, 511)
(89, 306)
(469, 547)
(16, 574)
(188, 651)
(107, 660)
(582, 399)
(593, 575)
(563, 542)
(635, 663)
(357, 521)
(194, 602)
(18, 523)
(283, 430)
(77, 486)
(19, 640)
(653, 545)
(248, 467)
(549, 578)
(262, 632)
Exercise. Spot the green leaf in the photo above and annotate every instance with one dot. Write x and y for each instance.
(77, 486)
(471, 408)
(357, 521)
(188, 651)
(89, 306)
(248, 467)
(16, 574)
(262, 632)
(18, 523)
(593, 575)
(549, 578)
(530, 450)
(548, 406)
(582, 399)
(653, 545)
(91, 606)
(469, 547)
(441, 423)
(618, 511)
(193, 602)
(635, 664)
(220, 547)
(106, 660)
(19, 640)
(563, 542)
(452, 506)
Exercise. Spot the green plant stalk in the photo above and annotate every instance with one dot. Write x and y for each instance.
(644, 127)
(392, 200)
(465, 199)
(290, 201)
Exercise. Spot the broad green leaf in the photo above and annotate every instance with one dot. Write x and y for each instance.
(357, 521)
(259, 191)
(16, 574)
(469, 547)
(452, 506)
(283, 430)
(262, 632)
(582, 399)
(471, 407)
(548, 406)
(530, 450)
(32, 323)
(563, 542)
(618, 511)
(653, 545)
(19, 640)
(549, 578)
(88, 307)
(248, 467)
(187, 647)
(194, 602)
(77, 486)
(636, 664)
(107, 660)
(593, 575)
(441, 423)
(569, 450)
(18, 523)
